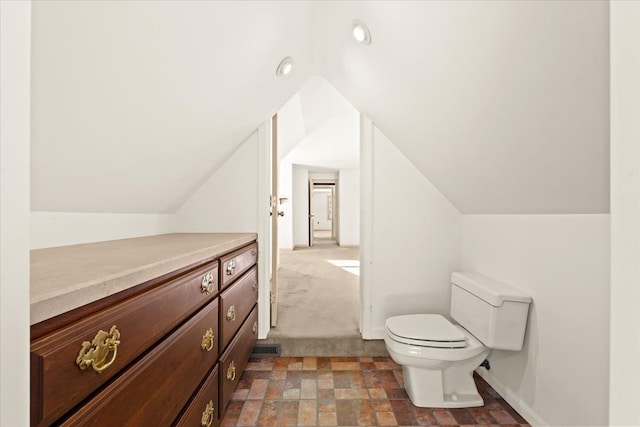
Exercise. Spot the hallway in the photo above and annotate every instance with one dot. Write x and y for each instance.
(318, 292)
(318, 303)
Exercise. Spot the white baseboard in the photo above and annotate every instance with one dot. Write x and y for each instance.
(512, 399)
(376, 334)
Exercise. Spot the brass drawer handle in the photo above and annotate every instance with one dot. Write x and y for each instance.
(255, 327)
(95, 353)
(231, 372)
(231, 313)
(255, 286)
(231, 266)
(207, 340)
(207, 415)
(254, 252)
(208, 282)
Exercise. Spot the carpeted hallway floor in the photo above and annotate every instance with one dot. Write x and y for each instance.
(316, 297)
(318, 303)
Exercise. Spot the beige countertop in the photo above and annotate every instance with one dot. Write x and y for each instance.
(68, 277)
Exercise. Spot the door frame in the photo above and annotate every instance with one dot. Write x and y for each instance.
(264, 228)
(366, 226)
(275, 214)
(331, 183)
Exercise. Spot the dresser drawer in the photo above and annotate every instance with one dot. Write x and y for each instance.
(234, 360)
(236, 263)
(236, 303)
(137, 323)
(154, 391)
(203, 409)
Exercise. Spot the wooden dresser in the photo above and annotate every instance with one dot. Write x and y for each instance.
(165, 351)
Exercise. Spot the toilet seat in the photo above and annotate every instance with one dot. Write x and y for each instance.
(425, 330)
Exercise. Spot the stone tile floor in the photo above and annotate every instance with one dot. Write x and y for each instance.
(346, 391)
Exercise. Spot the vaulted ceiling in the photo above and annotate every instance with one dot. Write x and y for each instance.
(502, 105)
(318, 127)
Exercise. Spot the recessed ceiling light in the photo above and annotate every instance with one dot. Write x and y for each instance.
(285, 67)
(361, 32)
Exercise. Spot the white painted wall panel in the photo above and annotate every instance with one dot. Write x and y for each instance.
(625, 214)
(300, 206)
(285, 190)
(416, 239)
(15, 73)
(49, 229)
(562, 261)
(349, 207)
(322, 217)
(227, 201)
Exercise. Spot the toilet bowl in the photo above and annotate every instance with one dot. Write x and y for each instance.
(436, 376)
(438, 357)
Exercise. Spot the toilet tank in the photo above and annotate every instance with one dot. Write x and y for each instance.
(493, 312)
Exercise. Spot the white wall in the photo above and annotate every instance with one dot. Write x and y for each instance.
(321, 204)
(285, 189)
(348, 210)
(349, 203)
(625, 214)
(15, 73)
(562, 262)
(416, 239)
(227, 201)
(49, 229)
(300, 206)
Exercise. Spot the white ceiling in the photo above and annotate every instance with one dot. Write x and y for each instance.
(502, 105)
(137, 103)
(318, 127)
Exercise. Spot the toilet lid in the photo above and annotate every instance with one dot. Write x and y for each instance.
(431, 330)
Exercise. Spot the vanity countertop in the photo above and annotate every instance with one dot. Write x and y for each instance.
(67, 277)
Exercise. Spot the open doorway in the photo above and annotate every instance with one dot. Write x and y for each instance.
(323, 212)
(318, 208)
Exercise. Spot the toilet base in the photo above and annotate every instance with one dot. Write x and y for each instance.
(446, 388)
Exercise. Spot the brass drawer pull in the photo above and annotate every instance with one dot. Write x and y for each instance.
(207, 340)
(231, 266)
(208, 282)
(207, 415)
(231, 313)
(95, 353)
(255, 286)
(255, 327)
(231, 372)
(254, 252)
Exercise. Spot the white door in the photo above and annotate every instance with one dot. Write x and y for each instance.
(274, 221)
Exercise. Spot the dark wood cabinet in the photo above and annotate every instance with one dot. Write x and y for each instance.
(236, 303)
(235, 358)
(203, 409)
(236, 263)
(151, 358)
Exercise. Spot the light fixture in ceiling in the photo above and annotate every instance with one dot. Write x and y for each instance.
(285, 67)
(361, 32)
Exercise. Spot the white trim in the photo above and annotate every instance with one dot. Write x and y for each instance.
(513, 399)
(15, 104)
(366, 227)
(624, 337)
(264, 228)
(377, 334)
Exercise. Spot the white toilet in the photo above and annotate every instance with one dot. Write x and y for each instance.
(438, 357)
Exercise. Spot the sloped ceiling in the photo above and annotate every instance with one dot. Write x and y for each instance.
(502, 105)
(319, 128)
(136, 103)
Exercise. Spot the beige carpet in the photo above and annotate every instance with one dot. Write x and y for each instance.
(318, 303)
